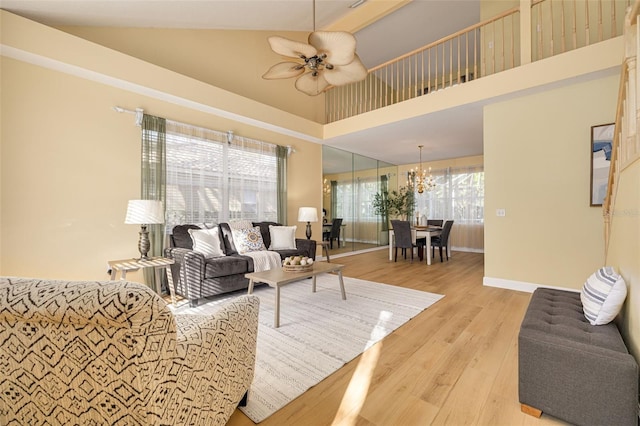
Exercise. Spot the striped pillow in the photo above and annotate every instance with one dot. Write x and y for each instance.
(602, 296)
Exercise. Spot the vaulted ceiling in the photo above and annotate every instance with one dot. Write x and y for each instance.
(402, 26)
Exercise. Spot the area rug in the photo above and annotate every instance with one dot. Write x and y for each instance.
(319, 333)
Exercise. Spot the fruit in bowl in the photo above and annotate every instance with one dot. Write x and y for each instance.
(297, 261)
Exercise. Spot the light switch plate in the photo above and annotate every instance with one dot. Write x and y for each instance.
(501, 213)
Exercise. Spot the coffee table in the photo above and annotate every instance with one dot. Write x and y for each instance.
(278, 278)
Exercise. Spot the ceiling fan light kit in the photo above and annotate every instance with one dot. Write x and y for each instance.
(329, 59)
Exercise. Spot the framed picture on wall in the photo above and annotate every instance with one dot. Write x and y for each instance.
(601, 145)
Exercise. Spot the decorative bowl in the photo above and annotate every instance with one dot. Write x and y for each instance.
(297, 268)
(293, 264)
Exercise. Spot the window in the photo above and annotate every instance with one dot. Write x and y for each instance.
(211, 180)
(459, 195)
(355, 198)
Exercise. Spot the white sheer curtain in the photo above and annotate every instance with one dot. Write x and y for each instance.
(344, 207)
(354, 205)
(458, 196)
(214, 176)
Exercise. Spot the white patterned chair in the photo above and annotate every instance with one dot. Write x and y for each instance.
(112, 353)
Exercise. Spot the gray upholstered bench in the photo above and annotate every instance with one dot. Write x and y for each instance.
(572, 370)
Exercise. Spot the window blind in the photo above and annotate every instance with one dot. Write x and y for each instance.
(212, 177)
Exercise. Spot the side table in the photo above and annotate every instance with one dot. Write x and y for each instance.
(125, 265)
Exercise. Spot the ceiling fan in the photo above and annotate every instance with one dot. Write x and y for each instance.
(329, 59)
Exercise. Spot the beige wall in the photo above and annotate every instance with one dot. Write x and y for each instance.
(70, 163)
(624, 251)
(491, 8)
(537, 168)
(474, 160)
(232, 60)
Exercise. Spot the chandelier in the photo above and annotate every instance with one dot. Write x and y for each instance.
(421, 179)
(326, 187)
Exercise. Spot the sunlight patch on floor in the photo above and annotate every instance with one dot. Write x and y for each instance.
(356, 392)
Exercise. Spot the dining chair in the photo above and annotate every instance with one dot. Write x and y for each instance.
(442, 240)
(403, 238)
(333, 233)
(435, 222)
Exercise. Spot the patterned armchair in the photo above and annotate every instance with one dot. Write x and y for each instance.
(113, 353)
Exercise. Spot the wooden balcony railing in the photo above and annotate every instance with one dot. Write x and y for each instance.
(491, 46)
(560, 26)
(626, 143)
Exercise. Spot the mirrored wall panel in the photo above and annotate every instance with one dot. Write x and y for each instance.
(350, 182)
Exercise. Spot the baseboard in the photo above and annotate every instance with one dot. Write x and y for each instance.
(351, 253)
(467, 249)
(519, 285)
(453, 248)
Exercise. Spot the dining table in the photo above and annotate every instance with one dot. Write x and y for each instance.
(419, 232)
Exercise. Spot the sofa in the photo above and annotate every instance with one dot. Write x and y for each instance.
(107, 353)
(572, 370)
(197, 275)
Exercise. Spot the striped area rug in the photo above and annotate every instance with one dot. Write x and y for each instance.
(319, 333)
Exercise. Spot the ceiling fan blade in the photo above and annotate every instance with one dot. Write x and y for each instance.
(293, 49)
(345, 74)
(311, 85)
(339, 46)
(283, 70)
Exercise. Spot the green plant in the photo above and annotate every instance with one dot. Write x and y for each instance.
(395, 203)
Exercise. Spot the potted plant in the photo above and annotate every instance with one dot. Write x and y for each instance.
(394, 204)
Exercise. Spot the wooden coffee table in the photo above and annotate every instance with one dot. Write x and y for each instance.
(277, 278)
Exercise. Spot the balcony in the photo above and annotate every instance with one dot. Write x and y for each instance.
(536, 30)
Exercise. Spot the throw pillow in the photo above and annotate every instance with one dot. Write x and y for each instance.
(282, 237)
(206, 241)
(602, 296)
(240, 224)
(248, 239)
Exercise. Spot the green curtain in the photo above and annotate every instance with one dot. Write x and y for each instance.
(411, 195)
(384, 191)
(334, 199)
(153, 183)
(281, 155)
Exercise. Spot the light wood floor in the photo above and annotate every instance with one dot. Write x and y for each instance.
(454, 364)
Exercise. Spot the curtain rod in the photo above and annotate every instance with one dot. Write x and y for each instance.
(139, 112)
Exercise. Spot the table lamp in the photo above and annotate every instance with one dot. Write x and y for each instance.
(308, 214)
(143, 213)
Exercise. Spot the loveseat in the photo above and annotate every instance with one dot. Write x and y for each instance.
(571, 369)
(200, 275)
(112, 353)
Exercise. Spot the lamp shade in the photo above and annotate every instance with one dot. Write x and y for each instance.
(144, 212)
(307, 214)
